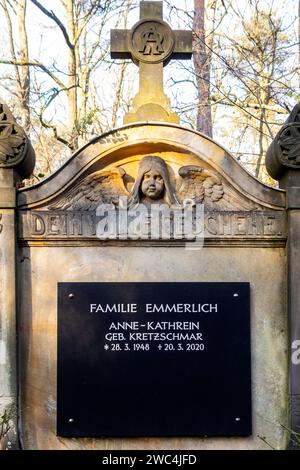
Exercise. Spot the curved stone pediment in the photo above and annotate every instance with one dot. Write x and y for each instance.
(107, 167)
(162, 170)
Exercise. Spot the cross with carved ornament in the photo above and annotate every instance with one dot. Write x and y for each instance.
(151, 44)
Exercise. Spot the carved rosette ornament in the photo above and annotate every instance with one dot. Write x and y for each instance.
(289, 143)
(15, 148)
(12, 141)
(284, 152)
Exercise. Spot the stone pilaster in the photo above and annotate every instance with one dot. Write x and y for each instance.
(16, 162)
(283, 164)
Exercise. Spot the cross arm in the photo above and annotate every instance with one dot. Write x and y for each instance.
(183, 45)
(151, 10)
(119, 40)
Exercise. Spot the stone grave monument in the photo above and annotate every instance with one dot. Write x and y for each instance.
(149, 288)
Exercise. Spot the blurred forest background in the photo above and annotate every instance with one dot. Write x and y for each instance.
(58, 79)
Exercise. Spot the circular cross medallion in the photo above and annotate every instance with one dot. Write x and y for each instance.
(151, 41)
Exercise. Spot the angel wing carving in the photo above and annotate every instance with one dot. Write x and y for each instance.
(101, 187)
(199, 185)
(195, 183)
(202, 186)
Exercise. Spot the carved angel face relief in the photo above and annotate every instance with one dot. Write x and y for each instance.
(152, 183)
(153, 186)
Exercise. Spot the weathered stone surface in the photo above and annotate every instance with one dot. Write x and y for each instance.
(8, 365)
(16, 162)
(192, 183)
(41, 269)
(245, 241)
(176, 145)
(283, 164)
(266, 228)
(195, 170)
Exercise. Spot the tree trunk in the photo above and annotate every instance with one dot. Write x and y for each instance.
(299, 43)
(118, 94)
(202, 64)
(263, 143)
(72, 81)
(24, 70)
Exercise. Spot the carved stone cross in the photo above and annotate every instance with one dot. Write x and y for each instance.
(151, 44)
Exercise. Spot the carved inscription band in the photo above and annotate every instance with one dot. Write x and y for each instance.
(66, 225)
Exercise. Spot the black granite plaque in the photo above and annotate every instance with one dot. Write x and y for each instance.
(153, 359)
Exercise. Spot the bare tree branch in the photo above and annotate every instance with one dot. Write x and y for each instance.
(52, 16)
(36, 64)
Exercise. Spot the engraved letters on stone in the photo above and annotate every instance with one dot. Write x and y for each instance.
(151, 41)
(76, 214)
